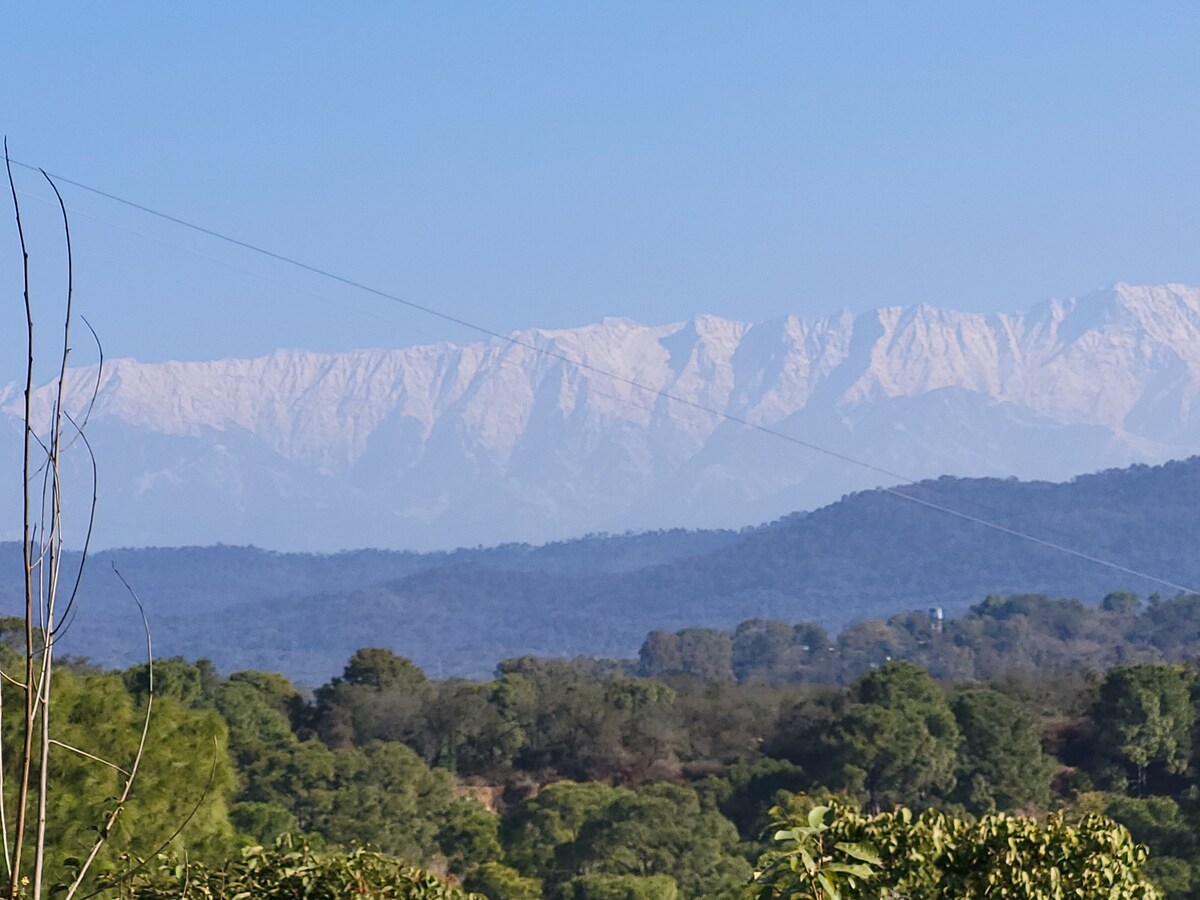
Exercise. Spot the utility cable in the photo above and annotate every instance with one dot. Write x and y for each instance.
(659, 392)
(325, 298)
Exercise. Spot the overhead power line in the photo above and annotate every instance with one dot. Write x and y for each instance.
(617, 377)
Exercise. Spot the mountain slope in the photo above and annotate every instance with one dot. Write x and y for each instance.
(869, 555)
(445, 445)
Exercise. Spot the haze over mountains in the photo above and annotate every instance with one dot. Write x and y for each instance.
(870, 555)
(444, 445)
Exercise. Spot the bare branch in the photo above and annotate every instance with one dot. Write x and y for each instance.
(87, 413)
(87, 541)
(111, 765)
(10, 679)
(26, 759)
(55, 542)
(80, 434)
(45, 618)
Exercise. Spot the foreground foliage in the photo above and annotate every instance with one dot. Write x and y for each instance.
(288, 871)
(568, 780)
(935, 856)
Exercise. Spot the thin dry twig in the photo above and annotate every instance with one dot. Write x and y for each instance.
(46, 619)
(92, 756)
(87, 412)
(26, 759)
(49, 576)
(55, 542)
(64, 623)
(60, 410)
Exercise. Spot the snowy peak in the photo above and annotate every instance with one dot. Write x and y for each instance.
(619, 424)
(921, 349)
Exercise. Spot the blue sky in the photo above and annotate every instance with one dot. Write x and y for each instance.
(546, 164)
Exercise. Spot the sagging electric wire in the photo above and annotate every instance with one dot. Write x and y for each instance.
(614, 376)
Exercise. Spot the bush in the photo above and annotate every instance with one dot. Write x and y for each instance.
(285, 872)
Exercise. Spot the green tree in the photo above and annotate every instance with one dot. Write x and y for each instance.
(499, 882)
(470, 836)
(898, 744)
(380, 697)
(660, 654)
(811, 637)
(560, 713)
(723, 723)
(766, 650)
(702, 653)
(662, 829)
(870, 643)
(751, 790)
(1121, 602)
(1144, 718)
(381, 795)
(537, 832)
(185, 777)
(1001, 764)
(275, 689)
(268, 757)
(383, 670)
(384, 796)
(175, 677)
(470, 729)
(640, 735)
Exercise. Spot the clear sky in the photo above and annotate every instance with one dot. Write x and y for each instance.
(547, 164)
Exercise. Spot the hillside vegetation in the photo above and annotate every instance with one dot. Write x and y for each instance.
(579, 779)
(867, 556)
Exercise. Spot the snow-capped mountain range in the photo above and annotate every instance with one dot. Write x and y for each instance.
(444, 445)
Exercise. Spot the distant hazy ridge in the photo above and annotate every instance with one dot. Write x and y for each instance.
(870, 555)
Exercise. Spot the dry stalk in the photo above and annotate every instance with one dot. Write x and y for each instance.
(26, 759)
(44, 622)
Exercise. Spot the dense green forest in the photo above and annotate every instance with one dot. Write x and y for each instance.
(593, 778)
(455, 613)
(1029, 633)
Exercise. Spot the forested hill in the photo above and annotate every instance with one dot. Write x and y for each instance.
(869, 555)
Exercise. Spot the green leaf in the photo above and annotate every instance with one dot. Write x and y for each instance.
(864, 852)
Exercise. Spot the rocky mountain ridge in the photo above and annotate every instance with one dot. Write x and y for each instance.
(444, 445)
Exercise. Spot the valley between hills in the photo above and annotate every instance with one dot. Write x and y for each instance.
(870, 555)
